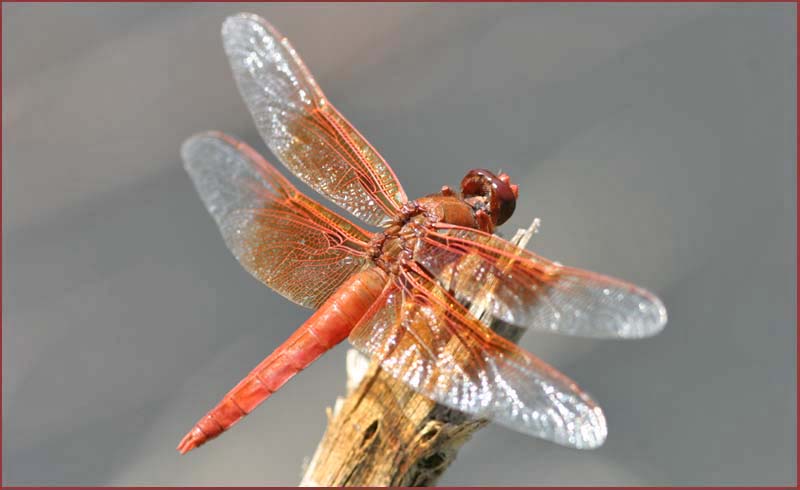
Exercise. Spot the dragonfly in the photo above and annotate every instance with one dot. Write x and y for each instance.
(401, 294)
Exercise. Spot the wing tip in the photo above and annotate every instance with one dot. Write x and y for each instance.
(594, 431)
(662, 316)
(244, 22)
(190, 144)
(646, 321)
(659, 317)
(585, 428)
(588, 428)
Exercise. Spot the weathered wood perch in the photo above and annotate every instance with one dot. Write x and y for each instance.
(385, 434)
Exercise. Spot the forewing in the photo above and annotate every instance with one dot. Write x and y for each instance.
(284, 239)
(425, 338)
(528, 290)
(301, 126)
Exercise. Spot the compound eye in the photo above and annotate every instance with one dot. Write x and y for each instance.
(498, 192)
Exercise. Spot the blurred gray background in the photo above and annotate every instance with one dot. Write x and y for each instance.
(655, 142)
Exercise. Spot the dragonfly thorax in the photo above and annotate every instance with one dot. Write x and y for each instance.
(399, 241)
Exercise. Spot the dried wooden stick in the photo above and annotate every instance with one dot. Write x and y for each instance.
(386, 434)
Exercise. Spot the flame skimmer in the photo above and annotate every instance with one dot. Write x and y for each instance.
(399, 294)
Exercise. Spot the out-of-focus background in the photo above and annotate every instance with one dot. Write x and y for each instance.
(655, 142)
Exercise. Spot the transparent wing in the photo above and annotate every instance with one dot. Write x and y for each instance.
(531, 291)
(424, 337)
(301, 126)
(284, 239)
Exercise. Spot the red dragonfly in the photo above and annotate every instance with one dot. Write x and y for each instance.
(398, 294)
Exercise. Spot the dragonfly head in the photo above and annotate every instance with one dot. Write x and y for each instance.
(493, 194)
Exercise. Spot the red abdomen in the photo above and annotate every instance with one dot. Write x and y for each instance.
(328, 326)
